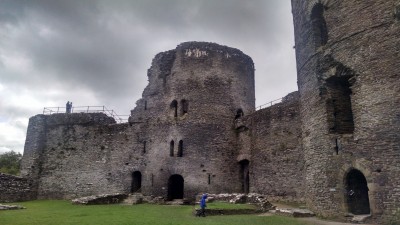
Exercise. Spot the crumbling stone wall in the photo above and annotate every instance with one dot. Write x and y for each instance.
(75, 155)
(193, 94)
(277, 158)
(191, 100)
(14, 189)
(361, 49)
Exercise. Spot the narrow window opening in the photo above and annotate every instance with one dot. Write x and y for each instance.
(185, 106)
(145, 105)
(180, 149)
(174, 106)
(171, 148)
(336, 146)
(340, 114)
(144, 146)
(239, 114)
(320, 32)
(209, 178)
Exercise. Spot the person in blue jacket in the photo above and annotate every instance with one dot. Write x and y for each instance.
(203, 205)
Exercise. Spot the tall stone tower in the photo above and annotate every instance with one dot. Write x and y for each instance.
(348, 57)
(189, 106)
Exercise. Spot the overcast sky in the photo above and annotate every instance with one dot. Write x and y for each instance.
(98, 52)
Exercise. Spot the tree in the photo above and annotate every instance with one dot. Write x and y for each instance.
(10, 162)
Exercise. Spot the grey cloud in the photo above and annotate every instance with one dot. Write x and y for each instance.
(98, 51)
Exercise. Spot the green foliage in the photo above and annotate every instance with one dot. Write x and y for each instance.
(63, 212)
(10, 162)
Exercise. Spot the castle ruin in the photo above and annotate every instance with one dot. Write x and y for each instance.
(334, 144)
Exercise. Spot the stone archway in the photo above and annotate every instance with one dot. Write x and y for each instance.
(357, 193)
(136, 182)
(175, 187)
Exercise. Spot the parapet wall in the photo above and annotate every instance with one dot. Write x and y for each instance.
(71, 154)
(15, 189)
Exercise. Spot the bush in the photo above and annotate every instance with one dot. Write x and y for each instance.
(10, 162)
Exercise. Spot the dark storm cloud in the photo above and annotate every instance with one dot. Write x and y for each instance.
(98, 44)
(98, 51)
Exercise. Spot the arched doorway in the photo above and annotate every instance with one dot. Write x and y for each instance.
(175, 187)
(244, 175)
(357, 193)
(136, 182)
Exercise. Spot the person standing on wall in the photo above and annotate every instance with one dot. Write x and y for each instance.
(68, 107)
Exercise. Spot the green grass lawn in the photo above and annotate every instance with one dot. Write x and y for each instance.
(63, 212)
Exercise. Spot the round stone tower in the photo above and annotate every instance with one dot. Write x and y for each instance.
(348, 57)
(189, 106)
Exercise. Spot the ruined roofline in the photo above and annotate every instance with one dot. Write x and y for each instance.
(203, 45)
(212, 46)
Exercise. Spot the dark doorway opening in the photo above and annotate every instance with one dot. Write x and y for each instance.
(175, 187)
(244, 175)
(357, 193)
(136, 182)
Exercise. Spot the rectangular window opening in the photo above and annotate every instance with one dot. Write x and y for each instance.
(339, 110)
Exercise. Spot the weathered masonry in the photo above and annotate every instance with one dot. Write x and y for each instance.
(334, 144)
(180, 139)
(348, 57)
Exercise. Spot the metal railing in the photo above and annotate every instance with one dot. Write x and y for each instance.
(87, 109)
(268, 104)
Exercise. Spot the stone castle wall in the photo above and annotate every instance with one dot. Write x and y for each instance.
(76, 155)
(196, 122)
(81, 154)
(14, 189)
(87, 154)
(277, 158)
(347, 57)
(193, 94)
